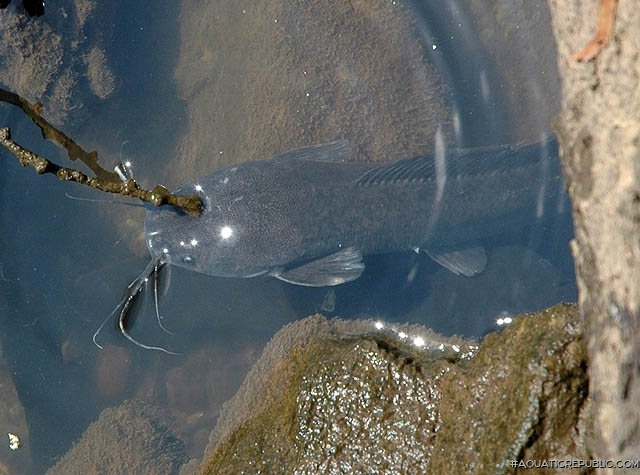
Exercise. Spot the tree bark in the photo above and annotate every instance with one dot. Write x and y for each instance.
(599, 133)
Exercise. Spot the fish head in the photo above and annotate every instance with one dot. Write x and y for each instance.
(243, 231)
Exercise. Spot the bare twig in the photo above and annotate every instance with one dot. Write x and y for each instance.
(158, 196)
(104, 180)
(49, 132)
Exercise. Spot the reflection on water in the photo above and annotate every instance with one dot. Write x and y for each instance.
(227, 83)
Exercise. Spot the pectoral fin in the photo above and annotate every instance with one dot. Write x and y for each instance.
(468, 262)
(334, 269)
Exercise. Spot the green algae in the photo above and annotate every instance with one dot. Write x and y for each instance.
(521, 398)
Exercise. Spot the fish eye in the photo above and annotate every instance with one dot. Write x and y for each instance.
(188, 259)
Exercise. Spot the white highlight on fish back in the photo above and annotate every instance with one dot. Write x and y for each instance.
(440, 162)
(441, 165)
(226, 232)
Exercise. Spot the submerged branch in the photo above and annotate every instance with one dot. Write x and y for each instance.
(104, 180)
(49, 132)
(158, 196)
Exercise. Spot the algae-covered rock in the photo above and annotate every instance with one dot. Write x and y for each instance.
(132, 438)
(342, 397)
(53, 59)
(522, 398)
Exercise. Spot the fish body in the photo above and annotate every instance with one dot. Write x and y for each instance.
(310, 215)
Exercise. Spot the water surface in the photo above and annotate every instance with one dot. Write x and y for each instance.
(65, 263)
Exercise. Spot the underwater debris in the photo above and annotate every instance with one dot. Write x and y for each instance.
(14, 441)
(104, 180)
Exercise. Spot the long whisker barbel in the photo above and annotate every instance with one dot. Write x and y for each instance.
(156, 271)
(122, 309)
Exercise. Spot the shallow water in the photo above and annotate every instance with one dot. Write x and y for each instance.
(65, 264)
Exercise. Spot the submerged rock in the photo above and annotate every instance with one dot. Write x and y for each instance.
(331, 396)
(132, 438)
(263, 78)
(54, 60)
(336, 396)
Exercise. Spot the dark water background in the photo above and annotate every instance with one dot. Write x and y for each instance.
(65, 264)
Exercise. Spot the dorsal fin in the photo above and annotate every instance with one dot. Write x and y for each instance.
(466, 162)
(337, 151)
(412, 169)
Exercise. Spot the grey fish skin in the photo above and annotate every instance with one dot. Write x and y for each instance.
(309, 215)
